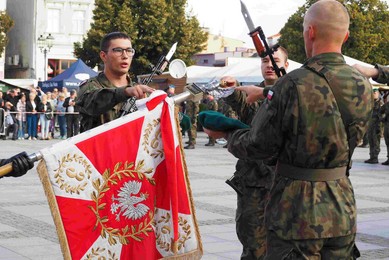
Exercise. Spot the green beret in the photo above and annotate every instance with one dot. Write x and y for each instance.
(216, 121)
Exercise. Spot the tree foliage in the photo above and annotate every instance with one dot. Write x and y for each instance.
(369, 32)
(6, 24)
(153, 25)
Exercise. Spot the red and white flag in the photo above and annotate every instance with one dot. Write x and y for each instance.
(120, 191)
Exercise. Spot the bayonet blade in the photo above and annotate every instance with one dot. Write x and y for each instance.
(247, 17)
(171, 52)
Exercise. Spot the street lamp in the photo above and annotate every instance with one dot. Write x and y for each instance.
(45, 45)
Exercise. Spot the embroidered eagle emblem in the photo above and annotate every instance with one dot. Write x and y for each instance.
(128, 204)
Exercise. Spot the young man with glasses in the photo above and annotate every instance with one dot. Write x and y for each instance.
(101, 97)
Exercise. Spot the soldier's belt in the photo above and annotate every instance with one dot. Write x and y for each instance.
(306, 174)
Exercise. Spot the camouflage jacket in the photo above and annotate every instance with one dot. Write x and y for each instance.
(383, 74)
(191, 110)
(99, 101)
(253, 173)
(212, 105)
(384, 110)
(301, 122)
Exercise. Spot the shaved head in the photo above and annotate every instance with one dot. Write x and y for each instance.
(329, 20)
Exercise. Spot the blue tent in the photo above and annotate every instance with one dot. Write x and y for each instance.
(70, 78)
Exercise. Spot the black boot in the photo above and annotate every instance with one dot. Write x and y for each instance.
(189, 146)
(372, 161)
(386, 162)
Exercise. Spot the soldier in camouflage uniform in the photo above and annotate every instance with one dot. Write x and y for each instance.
(211, 105)
(101, 98)
(253, 177)
(379, 74)
(312, 120)
(191, 110)
(374, 130)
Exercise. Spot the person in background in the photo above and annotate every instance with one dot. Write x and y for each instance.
(72, 116)
(10, 118)
(211, 105)
(61, 116)
(21, 116)
(46, 113)
(192, 110)
(32, 116)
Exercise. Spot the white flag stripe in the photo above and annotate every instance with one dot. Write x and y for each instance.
(101, 249)
(75, 177)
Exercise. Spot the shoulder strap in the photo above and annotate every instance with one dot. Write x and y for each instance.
(351, 129)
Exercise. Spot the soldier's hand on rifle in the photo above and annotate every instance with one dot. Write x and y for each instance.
(228, 81)
(21, 163)
(138, 91)
(254, 93)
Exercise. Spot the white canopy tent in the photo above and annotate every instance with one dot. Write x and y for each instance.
(245, 70)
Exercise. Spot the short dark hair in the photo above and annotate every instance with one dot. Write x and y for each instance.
(283, 50)
(104, 44)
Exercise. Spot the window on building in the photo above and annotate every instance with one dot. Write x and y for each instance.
(205, 61)
(53, 20)
(78, 21)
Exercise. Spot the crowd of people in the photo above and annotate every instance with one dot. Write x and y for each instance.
(38, 115)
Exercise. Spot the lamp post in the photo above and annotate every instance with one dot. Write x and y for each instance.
(45, 44)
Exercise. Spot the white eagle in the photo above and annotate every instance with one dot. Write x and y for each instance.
(126, 202)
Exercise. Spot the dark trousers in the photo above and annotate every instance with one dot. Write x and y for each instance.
(32, 125)
(73, 125)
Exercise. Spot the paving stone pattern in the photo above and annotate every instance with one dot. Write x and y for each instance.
(27, 230)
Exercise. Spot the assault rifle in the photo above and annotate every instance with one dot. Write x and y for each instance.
(260, 43)
(163, 61)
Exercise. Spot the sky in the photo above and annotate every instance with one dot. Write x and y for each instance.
(224, 16)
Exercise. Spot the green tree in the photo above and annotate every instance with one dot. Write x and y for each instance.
(6, 24)
(153, 25)
(369, 32)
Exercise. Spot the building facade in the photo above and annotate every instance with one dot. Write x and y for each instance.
(65, 20)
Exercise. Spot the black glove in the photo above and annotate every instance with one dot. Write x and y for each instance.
(20, 164)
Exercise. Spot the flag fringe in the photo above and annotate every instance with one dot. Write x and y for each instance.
(189, 189)
(44, 176)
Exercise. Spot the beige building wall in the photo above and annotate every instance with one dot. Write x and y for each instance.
(219, 43)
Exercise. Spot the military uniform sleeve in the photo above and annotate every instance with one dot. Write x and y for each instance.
(383, 74)
(94, 101)
(276, 116)
(244, 110)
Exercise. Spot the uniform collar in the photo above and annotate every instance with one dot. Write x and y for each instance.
(323, 58)
(103, 78)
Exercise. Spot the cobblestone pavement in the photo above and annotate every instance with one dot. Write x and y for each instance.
(27, 230)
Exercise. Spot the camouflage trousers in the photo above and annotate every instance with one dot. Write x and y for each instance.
(192, 132)
(313, 249)
(386, 136)
(374, 136)
(250, 226)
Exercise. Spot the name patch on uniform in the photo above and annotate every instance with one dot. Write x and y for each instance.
(270, 95)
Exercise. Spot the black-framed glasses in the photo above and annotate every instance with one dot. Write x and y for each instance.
(119, 51)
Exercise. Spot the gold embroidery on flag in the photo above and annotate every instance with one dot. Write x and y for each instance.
(152, 137)
(165, 229)
(68, 165)
(123, 235)
(97, 254)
